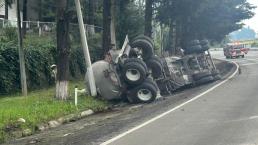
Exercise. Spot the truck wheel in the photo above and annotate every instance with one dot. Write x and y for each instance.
(144, 48)
(143, 37)
(155, 65)
(137, 60)
(201, 75)
(204, 80)
(133, 73)
(144, 93)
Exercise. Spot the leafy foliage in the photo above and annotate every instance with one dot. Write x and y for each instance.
(39, 56)
(200, 19)
(129, 20)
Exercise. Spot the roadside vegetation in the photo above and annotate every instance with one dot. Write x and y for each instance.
(40, 107)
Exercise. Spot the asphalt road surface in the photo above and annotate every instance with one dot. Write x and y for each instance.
(225, 115)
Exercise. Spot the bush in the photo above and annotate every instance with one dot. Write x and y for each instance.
(40, 54)
(8, 34)
(38, 62)
(9, 72)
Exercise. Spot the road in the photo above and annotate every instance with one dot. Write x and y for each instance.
(226, 115)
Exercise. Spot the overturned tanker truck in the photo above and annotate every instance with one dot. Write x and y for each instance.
(135, 73)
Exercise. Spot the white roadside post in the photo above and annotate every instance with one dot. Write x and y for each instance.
(76, 91)
(93, 90)
(76, 96)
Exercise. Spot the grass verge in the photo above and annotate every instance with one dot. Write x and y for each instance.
(40, 107)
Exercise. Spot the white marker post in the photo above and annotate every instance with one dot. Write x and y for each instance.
(93, 90)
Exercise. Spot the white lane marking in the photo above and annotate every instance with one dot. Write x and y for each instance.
(173, 109)
(253, 117)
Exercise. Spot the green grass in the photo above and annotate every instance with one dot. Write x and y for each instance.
(41, 106)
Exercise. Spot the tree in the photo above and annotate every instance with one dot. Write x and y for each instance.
(21, 52)
(106, 44)
(148, 17)
(129, 19)
(201, 19)
(113, 24)
(92, 5)
(62, 31)
(24, 18)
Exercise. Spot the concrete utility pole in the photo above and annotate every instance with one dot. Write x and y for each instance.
(93, 90)
(21, 52)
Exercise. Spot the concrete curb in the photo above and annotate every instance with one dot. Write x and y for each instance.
(63, 120)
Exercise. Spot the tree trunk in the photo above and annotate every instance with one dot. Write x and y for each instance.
(113, 26)
(106, 44)
(21, 52)
(24, 18)
(40, 10)
(122, 20)
(62, 50)
(91, 28)
(6, 7)
(148, 18)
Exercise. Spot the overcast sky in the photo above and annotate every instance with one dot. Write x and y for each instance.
(253, 23)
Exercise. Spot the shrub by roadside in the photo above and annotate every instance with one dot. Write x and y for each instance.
(40, 54)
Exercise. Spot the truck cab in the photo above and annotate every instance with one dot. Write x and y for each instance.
(235, 51)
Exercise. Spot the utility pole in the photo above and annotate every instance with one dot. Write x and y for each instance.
(21, 52)
(86, 52)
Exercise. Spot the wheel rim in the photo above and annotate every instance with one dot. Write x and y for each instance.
(144, 94)
(133, 75)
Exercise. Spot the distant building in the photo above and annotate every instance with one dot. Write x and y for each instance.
(32, 10)
(11, 11)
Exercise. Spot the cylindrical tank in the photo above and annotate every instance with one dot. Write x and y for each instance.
(106, 79)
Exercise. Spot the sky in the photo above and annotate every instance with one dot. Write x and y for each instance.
(253, 23)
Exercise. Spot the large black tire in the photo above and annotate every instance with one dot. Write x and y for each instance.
(156, 67)
(133, 72)
(137, 60)
(201, 75)
(145, 46)
(144, 93)
(143, 37)
(204, 80)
